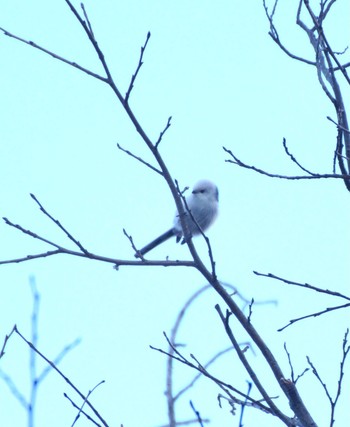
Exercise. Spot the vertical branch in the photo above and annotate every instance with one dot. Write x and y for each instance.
(32, 357)
(245, 404)
(325, 57)
(245, 363)
(171, 399)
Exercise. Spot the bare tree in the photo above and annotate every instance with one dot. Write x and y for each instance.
(329, 70)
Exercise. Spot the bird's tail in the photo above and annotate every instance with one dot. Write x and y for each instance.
(162, 238)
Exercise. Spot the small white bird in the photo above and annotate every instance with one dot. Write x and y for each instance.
(203, 207)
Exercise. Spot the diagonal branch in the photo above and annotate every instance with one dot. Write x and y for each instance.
(245, 363)
(139, 65)
(54, 55)
(58, 358)
(273, 33)
(303, 285)
(239, 162)
(316, 314)
(322, 36)
(129, 153)
(227, 388)
(85, 401)
(82, 411)
(294, 159)
(59, 225)
(333, 401)
(32, 234)
(167, 126)
(14, 390)
(65, 378)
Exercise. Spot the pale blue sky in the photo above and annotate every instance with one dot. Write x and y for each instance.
(215, 70)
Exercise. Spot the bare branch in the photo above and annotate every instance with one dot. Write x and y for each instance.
(31, 234)
(250, 310)
(70, 237)
(198, 416)
(338, 125)
(295, 380)
(322, 36)
(87, 19)
(198, 376)
(246, 364)
(167, 126)
(238, 162)
(7, 337)
(85, 400)
(139, 65)
(66, 379)
(14, 390)
(31, 257)
(115, 261)
(345, 351)
(273, 33)
(318, 313)
(54, 55)
(85, 254)
(333, 401)
(303, 285)
(227, 388)
(83, 412)
(326, 8)
(244, 404)
(139, 159)
(294, 159)
(58, 358)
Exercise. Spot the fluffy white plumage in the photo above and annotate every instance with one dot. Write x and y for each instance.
(203, 207)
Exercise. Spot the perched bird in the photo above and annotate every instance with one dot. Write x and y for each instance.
(202, 205)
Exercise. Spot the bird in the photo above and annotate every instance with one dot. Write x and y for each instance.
(200, 212)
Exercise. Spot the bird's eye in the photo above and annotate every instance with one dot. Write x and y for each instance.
(202, 191)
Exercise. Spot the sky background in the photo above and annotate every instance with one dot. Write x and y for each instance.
(214, 69)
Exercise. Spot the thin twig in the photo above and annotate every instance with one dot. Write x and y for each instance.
(245, 404)
(246, 364)
(66, 379)
(338, 125)
(139, 65)
(333, 401)
(31, 234)
(83, 412)
(294, 159)
(87, 19)
(303, 285)
(295, 380)
(68, 348)
(167, 126)
(115, 261)
(139, 159)
(198, 376)
(6, 339)
(85, 400)
(239, 162)
(14, 390)
(70, 237)
(316, 314)
(325, 41)
(198, 416)
(250, 310)
(54, 55)
(32, 355)
(171, 398)
(275, 37)
(227, 388)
